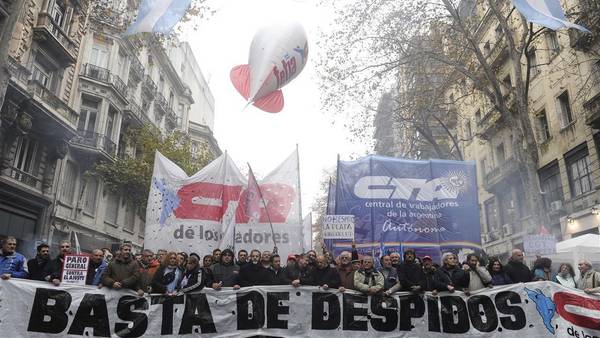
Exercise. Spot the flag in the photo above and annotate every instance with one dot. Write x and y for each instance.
(331, 198)
(158, 16)
(547, 13)
(253, 197)
(307, 233)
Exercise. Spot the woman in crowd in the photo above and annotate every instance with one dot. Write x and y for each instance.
(565, 276)
(207, 261)
(195, 277)
(182, 260)
(168, 275)
(542, 269)
(499, 277)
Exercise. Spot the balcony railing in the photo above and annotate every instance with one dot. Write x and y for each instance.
(95, 140)
(48, 31)
(25, 177)
(136, 71)
(104, 75)
(149, 86)
(161, 103)
(500, 173)
(43, 94)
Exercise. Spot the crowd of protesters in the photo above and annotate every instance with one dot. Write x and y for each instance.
(171, 273)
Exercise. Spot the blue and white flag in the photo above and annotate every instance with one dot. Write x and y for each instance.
(547, 13)
(158, 16)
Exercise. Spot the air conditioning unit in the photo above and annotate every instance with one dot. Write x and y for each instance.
(507, 229)
(556, 205)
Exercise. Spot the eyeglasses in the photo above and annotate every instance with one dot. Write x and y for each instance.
(65, 246)
(230, 255)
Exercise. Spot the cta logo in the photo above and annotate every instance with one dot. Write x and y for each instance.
(417, 189)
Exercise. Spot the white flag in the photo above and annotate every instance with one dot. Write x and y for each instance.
(547, 13)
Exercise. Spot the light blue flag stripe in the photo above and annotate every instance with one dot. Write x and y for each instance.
(152, 18)
(556, 19)
(175, 12)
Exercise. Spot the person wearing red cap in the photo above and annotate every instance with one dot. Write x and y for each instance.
(432, 282)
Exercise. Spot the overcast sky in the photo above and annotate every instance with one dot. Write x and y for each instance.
(251, 135)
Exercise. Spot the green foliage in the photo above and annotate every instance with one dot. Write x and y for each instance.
(130, 176)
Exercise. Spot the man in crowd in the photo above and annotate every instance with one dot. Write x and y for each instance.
(479, 277)
(431, 281)
(410, 273)
(216, 256)
(589, 281)
(516, 270)
(123, 271)
(12, 263)
(299, 270)
(242, 257)
(54, 267)
(147, 267)
(37, 265)
(451, 275)
(323, 275)
(253, 273)
(265, 259)
(346, 271)
(225, 273)
(96, 268)
(368, 280)
(391, 283)
(161, 253)
(312, 258)
(276, 274)
(395, 258)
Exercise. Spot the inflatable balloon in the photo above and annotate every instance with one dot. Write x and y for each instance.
(277, 55)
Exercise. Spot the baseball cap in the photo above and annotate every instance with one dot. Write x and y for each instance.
(427, 257)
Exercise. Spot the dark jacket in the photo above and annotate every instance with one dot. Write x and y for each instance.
(95, 272)
(432, 281)
(253, 274)
(518, 272)
(410, 274)
(456, 277)
(319, 277)
(390, 277)
(54, 269)
(294, 272)
(195, 280)
(227, 274)
(500, 278)
(125, 271)
(37, 268)
(277, 277)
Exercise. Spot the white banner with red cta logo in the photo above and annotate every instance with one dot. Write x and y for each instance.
(209, 209)
(539, 309)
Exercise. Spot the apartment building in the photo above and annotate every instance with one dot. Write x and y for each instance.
(76, 87)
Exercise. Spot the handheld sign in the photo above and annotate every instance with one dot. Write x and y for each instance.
(338, 227)
(74, 270)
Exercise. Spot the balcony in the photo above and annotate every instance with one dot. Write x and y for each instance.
(589, 17)
(489, 124)
(104, 75)
(499, 53)
(592, 111)
(26, 178)
(93, 143)
(134, 114)
(136, 72)
(49, 33)
(149, 87)
(171, 118)
(46, 97)
(501, 174)
(161, 103)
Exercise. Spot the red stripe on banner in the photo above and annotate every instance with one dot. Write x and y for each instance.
(563, 299)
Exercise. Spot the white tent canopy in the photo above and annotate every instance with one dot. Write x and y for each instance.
(584, 243)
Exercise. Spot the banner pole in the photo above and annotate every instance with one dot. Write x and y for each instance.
(265, 205)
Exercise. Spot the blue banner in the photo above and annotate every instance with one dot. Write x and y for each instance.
(430, 206)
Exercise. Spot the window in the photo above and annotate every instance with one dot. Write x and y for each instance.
(491, 214)
(68, 192)
(533, 64)
(91, 191)
(478, 116)
(484, 168)
(507, 207)
(551, 184)
(180, 110)
(87, 117)
(110, 123)
(553, 44)
(58, 14)
(99, 55)
(543, 126)
(564, 109)
(486, 48)
(468, 131)
(129, 218)
(46, 73)
(507, 85)
(171, 99)
(25, 155)
(579, 170)
(112, 209)
(500, 155)
(161, 84)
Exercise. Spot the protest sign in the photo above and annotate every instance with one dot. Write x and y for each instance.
(338, 227)
(538, 309)
(74, 269)
(539, 244)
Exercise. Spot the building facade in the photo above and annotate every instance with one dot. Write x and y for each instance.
(564, 111)
(77, 86)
